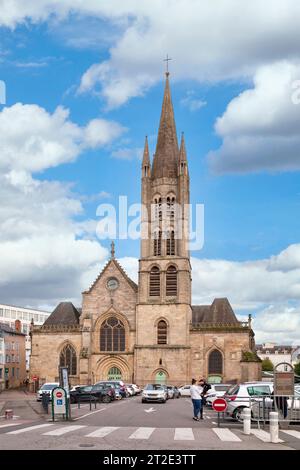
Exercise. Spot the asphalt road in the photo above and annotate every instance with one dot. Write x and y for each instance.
(129, 424)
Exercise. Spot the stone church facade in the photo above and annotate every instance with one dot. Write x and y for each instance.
(149, 332)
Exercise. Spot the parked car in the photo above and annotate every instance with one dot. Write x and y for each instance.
(47, 389)
(92, 392)
(239, 396)
(118, 385)
(154, 392)
(130, 390)
(177, 393)
(137, 389)
(216, 390)
(170, 391)
(185, 390)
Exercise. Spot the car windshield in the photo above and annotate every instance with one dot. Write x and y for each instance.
(153, 387)
(49, 386)
(221, 388)
(86, 389)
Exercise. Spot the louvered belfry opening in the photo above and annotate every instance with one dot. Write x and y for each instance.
(112, 335)
(157, 244)
(68, 359)
(215, 362)
(171, 243)
(171, 281)
(162, 332)
(154, 288)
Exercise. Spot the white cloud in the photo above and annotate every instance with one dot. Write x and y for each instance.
(128, 153)
(191, 101)
(33, 139)
(260, 127)
(279, 324)
(208, 40)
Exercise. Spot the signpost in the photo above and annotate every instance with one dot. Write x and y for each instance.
(59, 403)
(64, 383)
(220, 406)
(284, 379)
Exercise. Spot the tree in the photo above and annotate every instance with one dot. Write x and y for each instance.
(297, 368)
(267, 365)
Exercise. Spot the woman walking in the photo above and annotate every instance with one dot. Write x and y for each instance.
(196, 397)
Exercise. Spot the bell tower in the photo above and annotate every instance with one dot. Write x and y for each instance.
(164, 298)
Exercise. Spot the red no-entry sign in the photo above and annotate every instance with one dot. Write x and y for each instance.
(219, 405)
(59, 394)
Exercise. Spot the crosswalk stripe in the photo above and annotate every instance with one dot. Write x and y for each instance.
(293, 433)
(31, 428)
(184, 434)
(224, 434)
(9, 425)
(63, 430)
(263, 435)
(102, 432)
(142, 433)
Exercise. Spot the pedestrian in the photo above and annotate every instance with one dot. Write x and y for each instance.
(196, 391)
(206, 386)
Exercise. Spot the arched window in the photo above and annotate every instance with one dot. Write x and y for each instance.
(162, 332)
(170, 207)
(112, 335)
(170, 243)
(157, 243)
(171, 281)
(154, 287)
(215, 362)
(68, 359)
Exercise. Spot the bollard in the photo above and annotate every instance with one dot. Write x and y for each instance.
(247, 420)
(274, 427)
(9, 414)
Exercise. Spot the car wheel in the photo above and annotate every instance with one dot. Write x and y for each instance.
(237, 414)
(106, 399)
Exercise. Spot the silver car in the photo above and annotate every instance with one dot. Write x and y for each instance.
(154, 392)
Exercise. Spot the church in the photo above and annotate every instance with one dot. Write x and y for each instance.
(150, 331)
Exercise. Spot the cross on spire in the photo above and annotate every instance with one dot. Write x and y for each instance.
(167, 59)
(112, 250)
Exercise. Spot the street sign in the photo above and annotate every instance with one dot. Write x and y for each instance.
(64, 379)
(219, 405)
(284, 379)
(59, 402)
(34, 378)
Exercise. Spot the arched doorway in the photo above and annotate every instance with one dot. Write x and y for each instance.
(160, 377)
(114, 373)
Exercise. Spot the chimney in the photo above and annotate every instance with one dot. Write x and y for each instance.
(18, 326)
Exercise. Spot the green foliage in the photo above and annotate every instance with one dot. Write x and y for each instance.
(267, 365)
(249, 356)
(297, 368)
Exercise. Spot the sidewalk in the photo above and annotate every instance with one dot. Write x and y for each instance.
(23, 404)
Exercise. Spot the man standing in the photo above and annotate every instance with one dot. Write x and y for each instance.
(196, 391)
(205, 387)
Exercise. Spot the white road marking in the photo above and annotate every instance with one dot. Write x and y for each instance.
(207, 417)
(224, 434)
(150, 410)
(293, 433)
(184, 434)
(63, 430)
(88, 414)
(263, 435)
(10, 424)
(31, 428)
(142, 433)
(102, 432)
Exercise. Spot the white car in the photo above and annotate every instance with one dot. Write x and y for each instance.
(216, 391)
(46, 389)
(154, 392)
(241, 396)
(136, 388)
(185, 390)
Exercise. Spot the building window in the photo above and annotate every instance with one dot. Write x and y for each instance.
(112, 335)
(170, 243)
(154, 288)
(114, 373)
(215, 362)
(171, 281)
(157, 243)
(170, 207)
(162, 332)
(68, 359)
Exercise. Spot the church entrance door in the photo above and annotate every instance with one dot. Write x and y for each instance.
(114, 373)
(160, 377)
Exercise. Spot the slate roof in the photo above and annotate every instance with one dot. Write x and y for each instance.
(64, 314)
(220, 311)
(9, 330)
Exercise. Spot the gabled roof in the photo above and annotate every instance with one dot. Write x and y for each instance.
(65, 313)
(220, 311)
(121, 270)
(7, 329)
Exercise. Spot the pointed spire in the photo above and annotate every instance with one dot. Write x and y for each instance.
(112, 250)
(146, 157)
(165, 161)
(182, 151)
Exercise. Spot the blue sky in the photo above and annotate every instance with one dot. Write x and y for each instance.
(231, 100)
